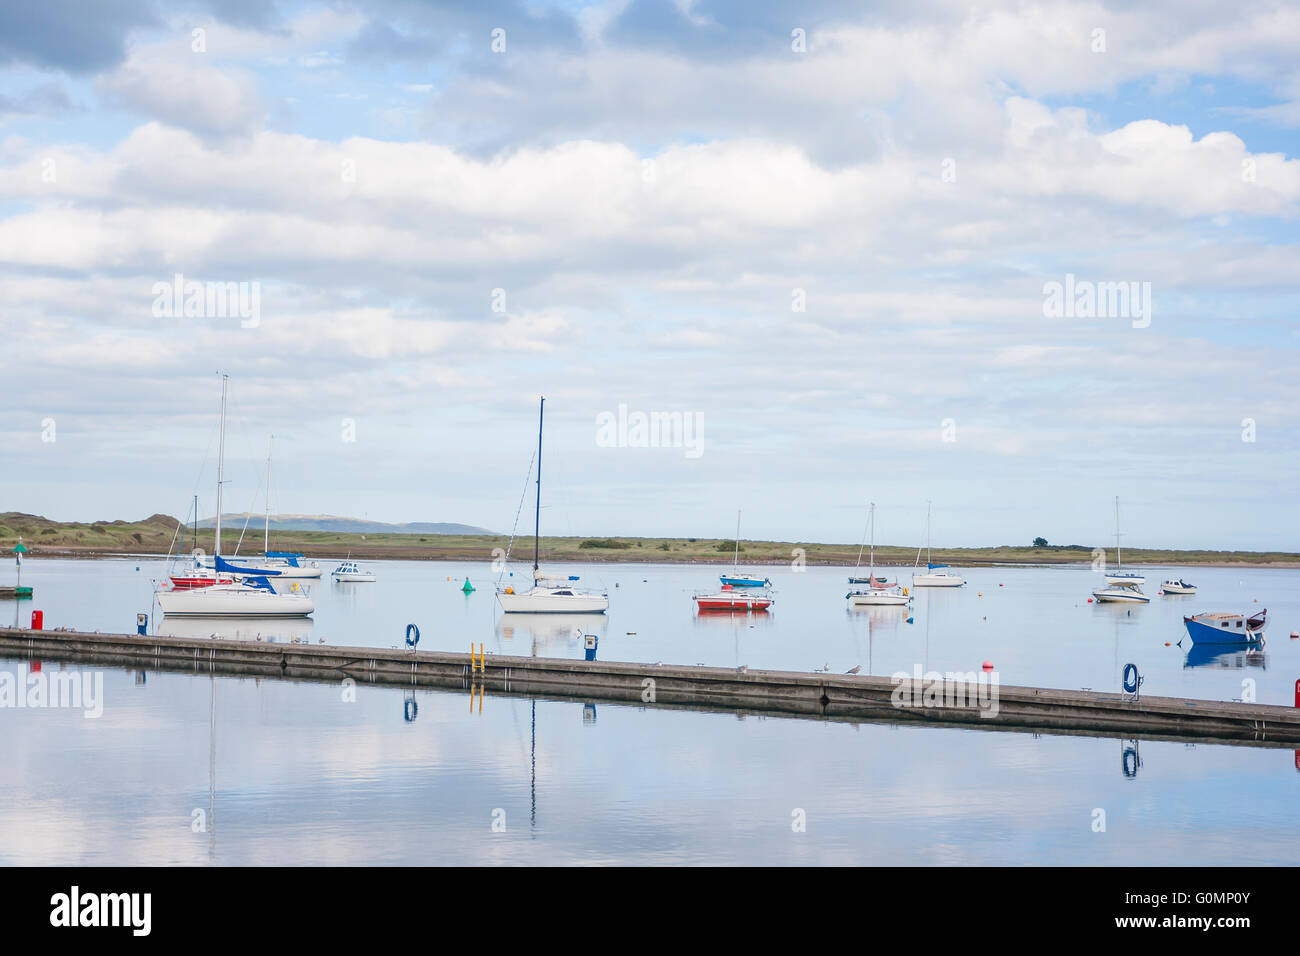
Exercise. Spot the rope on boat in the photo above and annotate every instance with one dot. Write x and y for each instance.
(518, 511)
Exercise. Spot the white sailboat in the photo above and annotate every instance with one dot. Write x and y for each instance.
(874, 596)
(1119, 574)
(250, 597)
(548, 595)
(936, 575)
(1122, 586)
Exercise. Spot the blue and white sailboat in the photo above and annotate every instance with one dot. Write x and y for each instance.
(738, 578)
(937, 575)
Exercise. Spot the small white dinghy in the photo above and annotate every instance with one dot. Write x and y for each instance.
(1177, 586)
(348, 571)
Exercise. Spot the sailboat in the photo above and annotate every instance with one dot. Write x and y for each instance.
(738, 578)
(1122, 586)
(284, 564)
(871, 579)
(548, 595)
(937, 575)
(252, 596)
(876, 596)
(1121, 575)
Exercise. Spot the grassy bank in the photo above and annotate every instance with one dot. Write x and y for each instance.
(157, 534)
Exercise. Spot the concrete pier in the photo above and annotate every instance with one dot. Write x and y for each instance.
(823, 696)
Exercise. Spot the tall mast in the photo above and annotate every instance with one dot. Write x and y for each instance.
(221, 461)
(1119, 555)
(266, 540)
(537, 514)
(735, 559)
(871, 574)
(929, 558)
(196, 521)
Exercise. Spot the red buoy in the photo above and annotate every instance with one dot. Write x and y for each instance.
(988, 666)
(1089, 600)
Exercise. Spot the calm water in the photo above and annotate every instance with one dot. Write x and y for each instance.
(291, 772)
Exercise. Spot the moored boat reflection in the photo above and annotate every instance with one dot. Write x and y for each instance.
(1226, 656)
(290, 629)
(524, 633)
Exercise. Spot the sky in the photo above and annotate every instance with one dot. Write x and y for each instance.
(825, 235)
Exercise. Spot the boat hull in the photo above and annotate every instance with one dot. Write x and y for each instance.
(354, 578)
(1121, 595)
(233, 601)
(1224, 629)
(937, 581)
(546, 601)
(743, 581)
(877, 599)
(190, 582)
(1126, 579)
(732, 602)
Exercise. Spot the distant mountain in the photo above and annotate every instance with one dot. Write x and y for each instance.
(343, 525)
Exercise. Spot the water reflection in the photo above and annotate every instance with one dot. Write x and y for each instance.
(1131, 759)
(290, 629)
(1225, 656)
(547, 635)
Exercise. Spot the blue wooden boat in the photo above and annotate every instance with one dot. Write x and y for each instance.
(1225, 627)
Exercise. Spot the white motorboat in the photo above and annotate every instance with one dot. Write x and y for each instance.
(876, 596)
(1121, 594)
(936, 575)
(348, 571)
(1177, 586)
(548, 595)
(251, 594)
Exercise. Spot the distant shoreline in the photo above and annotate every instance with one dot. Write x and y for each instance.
(375, 554)
(163, 534)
